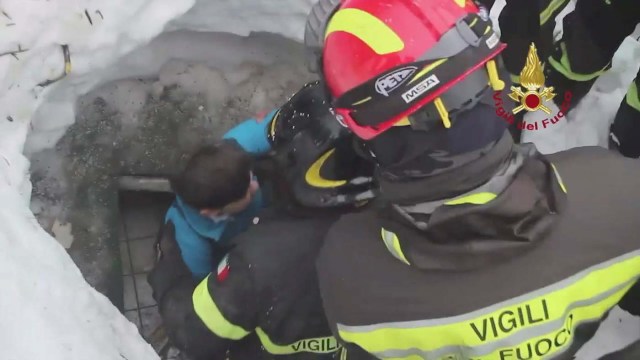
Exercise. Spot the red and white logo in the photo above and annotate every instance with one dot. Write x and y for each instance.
(223, 268)
(261, 115)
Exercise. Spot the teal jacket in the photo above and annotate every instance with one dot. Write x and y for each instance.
(197, 235)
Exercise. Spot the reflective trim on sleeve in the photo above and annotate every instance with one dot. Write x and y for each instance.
(479, 198)
(208, 312)
(535, 325)
(633, 98)
(343, 354)
(560, 182)
(564, 67)
(392, 243)
(320, 345)
(548, 13)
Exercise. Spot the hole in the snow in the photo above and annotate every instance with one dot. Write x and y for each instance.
(149, 112)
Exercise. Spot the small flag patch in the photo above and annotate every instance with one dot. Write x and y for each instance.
(261, 115)
(223, 268)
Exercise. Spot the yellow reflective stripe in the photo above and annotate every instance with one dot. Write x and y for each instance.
(392, 243)
(547, 13)
(272, 129)
(362, 101)
(564, 67)
(461, 3)
(208, 312)
(313, 177)
(403, 122)
(553, 342)
(426, 70)
(583, 297)
(564, 189)
(476, 199)
(557, 341)
(366, 27)
(633, 98)
(320, 345)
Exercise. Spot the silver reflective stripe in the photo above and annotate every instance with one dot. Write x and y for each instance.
(389, 239)
(510, 341)
(496, 185)
(490, 309)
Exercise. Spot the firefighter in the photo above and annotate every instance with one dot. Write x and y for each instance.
(260, 299)
(479, 249)
(592, 33)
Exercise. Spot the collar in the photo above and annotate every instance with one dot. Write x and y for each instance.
(203, 225)
(506, 215)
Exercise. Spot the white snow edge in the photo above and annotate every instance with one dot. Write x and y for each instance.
(48, 311)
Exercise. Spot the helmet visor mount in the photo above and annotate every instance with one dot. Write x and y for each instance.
(433, 83)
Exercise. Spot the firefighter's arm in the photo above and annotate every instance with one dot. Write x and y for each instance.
(202, 319)
(631, 300)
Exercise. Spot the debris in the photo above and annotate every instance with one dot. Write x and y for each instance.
(62, 233)
(13, 53)
(67, 67)
(9, 118)
(7, 15)
(88, 17)
(100, 13)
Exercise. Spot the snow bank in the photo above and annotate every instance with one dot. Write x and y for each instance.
(47, 309)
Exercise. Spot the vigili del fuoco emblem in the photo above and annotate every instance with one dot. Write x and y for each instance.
(532, 78)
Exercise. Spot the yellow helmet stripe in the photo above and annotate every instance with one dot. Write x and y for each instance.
(460, 3)
(313, 177)
(427, 69)
(366, 27)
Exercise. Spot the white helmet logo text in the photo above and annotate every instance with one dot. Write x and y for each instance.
(392, 81)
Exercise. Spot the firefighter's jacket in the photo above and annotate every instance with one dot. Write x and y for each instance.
(527, 272)
(265, 287)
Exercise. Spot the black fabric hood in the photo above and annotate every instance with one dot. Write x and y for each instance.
(470, 236)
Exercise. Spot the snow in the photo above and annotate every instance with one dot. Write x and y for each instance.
(52, 313)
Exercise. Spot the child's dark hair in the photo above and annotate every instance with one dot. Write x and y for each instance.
(215, 176)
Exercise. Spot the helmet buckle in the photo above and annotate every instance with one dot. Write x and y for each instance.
(467, 34)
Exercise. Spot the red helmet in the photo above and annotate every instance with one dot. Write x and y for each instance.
(383, 60)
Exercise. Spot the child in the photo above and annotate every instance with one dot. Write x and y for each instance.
(217, 195)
